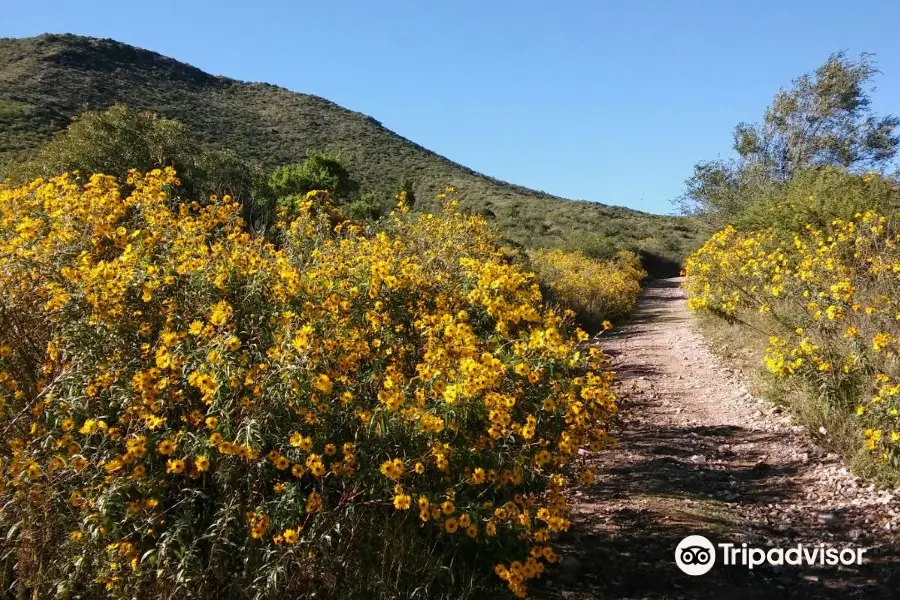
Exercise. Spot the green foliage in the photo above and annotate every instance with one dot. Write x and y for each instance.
(224, 172)
(818, 196)
(320, 171)
(12, 109)
(52, 77)
(718, 190)
(592, 246)
(823, 120)
(368, 207)
(113, 142)
(121, 138)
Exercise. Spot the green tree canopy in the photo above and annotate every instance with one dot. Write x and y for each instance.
(320, 171)
(824, 119)
(122, 138)
(112, 142)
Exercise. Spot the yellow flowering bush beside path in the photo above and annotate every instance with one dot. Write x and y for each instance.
(829, 298)
(188, 410)
(596, 290)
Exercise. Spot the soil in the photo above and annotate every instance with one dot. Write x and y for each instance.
(698, 454)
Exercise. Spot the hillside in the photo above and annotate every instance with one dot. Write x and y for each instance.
(46, 80)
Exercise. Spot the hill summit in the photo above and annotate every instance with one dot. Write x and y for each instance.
(46, 80)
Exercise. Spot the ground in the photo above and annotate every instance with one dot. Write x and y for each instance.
(698, 454)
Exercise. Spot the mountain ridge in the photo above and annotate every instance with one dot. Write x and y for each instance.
(48, 79)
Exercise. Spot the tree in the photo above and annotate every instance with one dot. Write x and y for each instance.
(824, 119)
(320, 171)
(112, 142)
(122, 138)
(713, 189)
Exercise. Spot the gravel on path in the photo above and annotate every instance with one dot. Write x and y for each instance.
(698, 454)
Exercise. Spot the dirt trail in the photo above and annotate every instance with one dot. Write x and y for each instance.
(699, 455)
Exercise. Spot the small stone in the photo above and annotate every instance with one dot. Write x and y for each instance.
(569, 569)
(827, 518)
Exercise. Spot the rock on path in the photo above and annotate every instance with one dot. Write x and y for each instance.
(699, 455)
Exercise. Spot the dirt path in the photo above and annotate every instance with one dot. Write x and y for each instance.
(699, 455)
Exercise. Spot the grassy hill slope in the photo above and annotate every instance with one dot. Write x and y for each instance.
(46, 80)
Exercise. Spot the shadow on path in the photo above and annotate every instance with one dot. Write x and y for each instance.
(669, 479)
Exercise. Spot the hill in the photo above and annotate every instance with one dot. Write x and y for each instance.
(46, 80)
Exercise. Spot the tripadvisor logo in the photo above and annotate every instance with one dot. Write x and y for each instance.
(696, 555)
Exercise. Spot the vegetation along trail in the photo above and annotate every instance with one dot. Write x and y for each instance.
(699, 455)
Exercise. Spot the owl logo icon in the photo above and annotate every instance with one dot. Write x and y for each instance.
(695, 555)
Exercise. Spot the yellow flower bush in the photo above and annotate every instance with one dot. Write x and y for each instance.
(190, 411)
(596, 290)
(830, 299)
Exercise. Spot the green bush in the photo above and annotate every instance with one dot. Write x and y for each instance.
(119, 139)
(114, 141)
(368, 207)
(818, 196)
(318, 172)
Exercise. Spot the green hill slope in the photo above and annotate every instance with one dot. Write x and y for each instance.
(46, 80)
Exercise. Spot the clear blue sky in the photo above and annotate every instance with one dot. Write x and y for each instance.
(612, 102)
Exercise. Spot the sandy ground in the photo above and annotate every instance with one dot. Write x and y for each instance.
(699, 455)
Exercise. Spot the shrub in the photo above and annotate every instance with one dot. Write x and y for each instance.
(596, 247)
(122, 138)
(318, 172)
(192, 412)
(829, 298)
(596, 290)
(114, 141)
(818, 196)
(368, 207)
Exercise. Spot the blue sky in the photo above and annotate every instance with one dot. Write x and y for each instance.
(612, 102)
